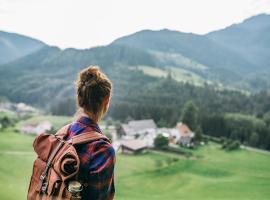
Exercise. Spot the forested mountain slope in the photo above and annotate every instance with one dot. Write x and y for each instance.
(14, 46)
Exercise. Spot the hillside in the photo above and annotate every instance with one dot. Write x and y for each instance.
(240, 49)
(196, 47)
(251, 39)
(14, 46)
(51, 72)
(135, 95)
(154, 73)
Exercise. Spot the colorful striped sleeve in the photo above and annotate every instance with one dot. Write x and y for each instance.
(101, 170)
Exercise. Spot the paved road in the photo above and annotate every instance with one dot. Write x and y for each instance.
(255, 149)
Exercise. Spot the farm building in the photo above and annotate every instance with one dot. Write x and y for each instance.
(36, 128)
(169, 133)
(133, 146)
(135, 127)
(183, 135)
(139, 129)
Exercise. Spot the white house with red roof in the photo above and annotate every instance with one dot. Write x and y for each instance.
(182, 134)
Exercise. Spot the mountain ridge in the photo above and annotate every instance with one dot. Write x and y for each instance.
(219, 60)
(49, 71)
(251, 39)
(14, 46)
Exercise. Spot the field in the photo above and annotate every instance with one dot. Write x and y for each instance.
(210, 174)
(57, 121)
(178, 74)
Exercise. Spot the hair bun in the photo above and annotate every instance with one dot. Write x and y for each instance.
(93, 87)
(90, 76)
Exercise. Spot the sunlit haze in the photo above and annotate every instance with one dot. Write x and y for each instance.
(88, 23)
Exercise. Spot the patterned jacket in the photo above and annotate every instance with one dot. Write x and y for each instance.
(97, 161)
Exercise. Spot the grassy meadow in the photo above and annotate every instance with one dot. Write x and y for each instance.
(57, 121)
(210, 174)
(177, 74)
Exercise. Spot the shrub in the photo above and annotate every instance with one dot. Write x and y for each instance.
(161, 142)
(230, 145)
(5, 122)
(233, 146)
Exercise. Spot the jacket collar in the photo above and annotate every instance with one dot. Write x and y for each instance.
(87, 121)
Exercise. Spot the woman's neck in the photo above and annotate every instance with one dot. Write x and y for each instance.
(81, 113)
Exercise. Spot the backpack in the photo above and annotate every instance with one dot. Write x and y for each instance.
(56, 168)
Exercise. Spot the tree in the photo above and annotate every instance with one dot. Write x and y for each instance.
(161, 142)
(190, 115)
(66, 106)
(254, 139)
(198, 134)
(5, 122)
(266, 118)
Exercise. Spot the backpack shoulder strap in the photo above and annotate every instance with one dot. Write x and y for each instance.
(88, 137)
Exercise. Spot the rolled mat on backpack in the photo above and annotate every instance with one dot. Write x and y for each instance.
(67, 165)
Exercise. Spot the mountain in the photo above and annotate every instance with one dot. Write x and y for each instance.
(237, 56)
(14, 46)
(51, 71)
(196, 47)
(137, 62)
(250, 39)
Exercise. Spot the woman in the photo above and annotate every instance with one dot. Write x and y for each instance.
(97, 158)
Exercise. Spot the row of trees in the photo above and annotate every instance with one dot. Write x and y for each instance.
(247, 129)
(219, 113)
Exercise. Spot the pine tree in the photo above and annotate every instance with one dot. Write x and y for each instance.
(190, 115)
(198, 134)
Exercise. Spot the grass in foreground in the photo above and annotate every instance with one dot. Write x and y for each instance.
(240, 175)
(217, 175)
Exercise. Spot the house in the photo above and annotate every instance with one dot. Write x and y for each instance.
(133, 146)
(139, 129)
(126, 130)
(183, 135)
(6, 107)
(135, 127)
(20, 108)
(36, 129)
(169, 133)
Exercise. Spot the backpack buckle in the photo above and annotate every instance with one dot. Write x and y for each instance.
(42, 177)
(44, 187)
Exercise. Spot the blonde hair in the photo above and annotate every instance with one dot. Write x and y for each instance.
(92, 87)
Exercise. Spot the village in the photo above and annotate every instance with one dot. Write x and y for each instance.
(138, 135)
(133, 137)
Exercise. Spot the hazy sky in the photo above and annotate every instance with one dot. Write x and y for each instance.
(88, 23)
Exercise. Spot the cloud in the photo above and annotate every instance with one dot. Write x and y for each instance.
(258, 6)
(86, 23)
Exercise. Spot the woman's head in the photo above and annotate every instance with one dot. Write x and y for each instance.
(93, 92)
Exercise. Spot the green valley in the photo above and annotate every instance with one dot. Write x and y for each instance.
(210, 174)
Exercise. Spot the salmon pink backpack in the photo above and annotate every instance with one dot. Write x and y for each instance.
(56, 168)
